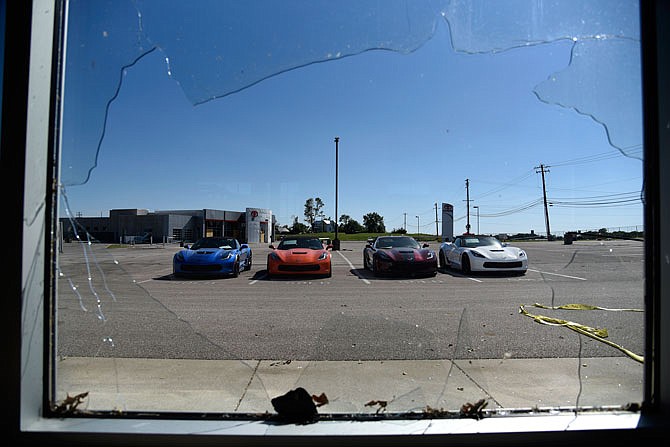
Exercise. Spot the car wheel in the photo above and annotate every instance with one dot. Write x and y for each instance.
(465, 265)
(375, 267)
(365, 262)
(248, 266)
(330, 270)
(236, 269)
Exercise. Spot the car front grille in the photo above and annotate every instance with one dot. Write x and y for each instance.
(502, 265)
(200, 268)
(299, 268)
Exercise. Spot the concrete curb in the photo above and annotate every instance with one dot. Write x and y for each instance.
(247, 386)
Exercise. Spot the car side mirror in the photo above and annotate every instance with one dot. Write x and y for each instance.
(187, 246)
(272, 246)
(243, 246)
(329, 247)
(425, 245)
(368, 246)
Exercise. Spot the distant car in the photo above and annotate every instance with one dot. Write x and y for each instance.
(399, 255)
(299, 256)
(474, 253)
(212, 256)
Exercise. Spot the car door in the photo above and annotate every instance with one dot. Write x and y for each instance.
(454, 253)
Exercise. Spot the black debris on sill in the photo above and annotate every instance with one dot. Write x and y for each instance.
(474, 411)
(69, 405)
(296, 407)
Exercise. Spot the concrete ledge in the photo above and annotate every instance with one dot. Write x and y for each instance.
(247, 386)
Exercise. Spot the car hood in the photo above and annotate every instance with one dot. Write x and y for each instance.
(205, 253)
(406, 253)
(504, 253)
(299, 255)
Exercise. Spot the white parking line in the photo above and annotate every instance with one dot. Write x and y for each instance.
(558, 274)
(352, 268)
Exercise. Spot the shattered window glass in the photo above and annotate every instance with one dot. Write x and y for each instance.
(179, 118)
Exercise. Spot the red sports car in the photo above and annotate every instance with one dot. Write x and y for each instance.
(299, 256)
(399, 255)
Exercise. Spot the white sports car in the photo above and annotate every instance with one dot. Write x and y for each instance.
(474, 253)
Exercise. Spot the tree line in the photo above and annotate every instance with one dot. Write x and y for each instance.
(313, 211)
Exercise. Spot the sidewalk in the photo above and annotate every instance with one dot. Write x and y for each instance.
(229, 386)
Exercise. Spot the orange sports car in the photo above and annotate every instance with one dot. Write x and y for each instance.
(300, 255)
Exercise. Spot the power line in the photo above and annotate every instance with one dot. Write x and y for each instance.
(629, 194)
(513, 182)
(611, 203)
(518, 209)
(598, 157)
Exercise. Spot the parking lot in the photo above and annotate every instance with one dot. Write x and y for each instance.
(135, 308)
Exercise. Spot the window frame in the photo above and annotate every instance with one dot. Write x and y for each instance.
(28, 154)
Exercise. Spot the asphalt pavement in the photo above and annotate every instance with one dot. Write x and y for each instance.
(505, 384)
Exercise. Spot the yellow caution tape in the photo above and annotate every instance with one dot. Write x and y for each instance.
(584, 307)
(595, 333)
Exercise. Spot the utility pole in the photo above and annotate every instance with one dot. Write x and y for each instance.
(542, 168)
(467, 204)
(405, 222)
(437, 229)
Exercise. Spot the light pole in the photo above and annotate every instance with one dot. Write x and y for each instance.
(417, 226)
(336, 242)
(477, 207)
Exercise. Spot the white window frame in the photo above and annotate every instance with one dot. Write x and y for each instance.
(27, 150)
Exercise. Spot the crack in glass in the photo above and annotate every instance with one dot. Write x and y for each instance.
(441, 363)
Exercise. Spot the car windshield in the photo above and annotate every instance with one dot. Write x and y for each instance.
(481, 241)
(287, 244)
(396, 242)
(214, 242)
(396, 121)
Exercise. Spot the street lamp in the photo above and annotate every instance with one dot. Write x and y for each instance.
(336, 241)
(475, 206)
(417, 226)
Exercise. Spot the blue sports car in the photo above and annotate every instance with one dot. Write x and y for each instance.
(212, 256)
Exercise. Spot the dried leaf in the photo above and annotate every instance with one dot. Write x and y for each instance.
(320, 400)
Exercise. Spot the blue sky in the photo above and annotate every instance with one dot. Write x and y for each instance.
(412, 127)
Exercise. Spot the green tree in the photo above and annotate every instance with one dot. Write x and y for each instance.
(349, 225)
(374, 223)
(318, 207)
(298, 227)
(313, 210)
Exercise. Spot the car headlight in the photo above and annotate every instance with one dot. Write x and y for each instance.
(522, 254)
(476, 254)
(226, 255)
(383, 255)
(431, 255)
(179, 257)
(323, 256)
